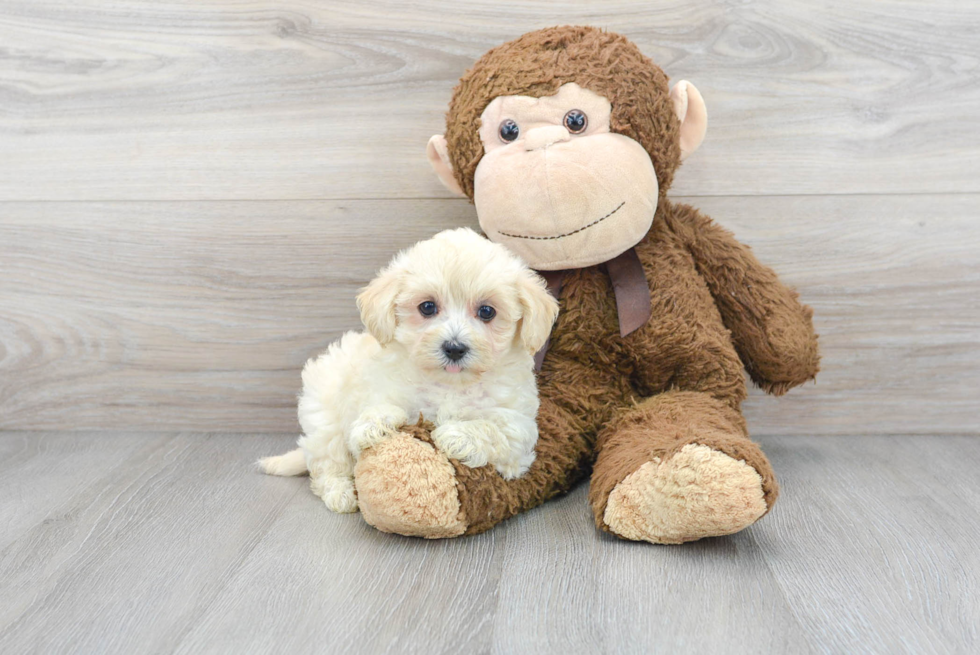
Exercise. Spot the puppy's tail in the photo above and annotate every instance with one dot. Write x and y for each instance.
(292, 463)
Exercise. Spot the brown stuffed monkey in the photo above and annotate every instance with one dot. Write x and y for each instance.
(567, 140)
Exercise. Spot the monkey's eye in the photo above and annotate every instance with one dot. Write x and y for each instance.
(509, 130)
(486, 313)
(428, 308)
(576, 121)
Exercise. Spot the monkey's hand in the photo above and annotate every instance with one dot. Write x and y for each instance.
(772, 331)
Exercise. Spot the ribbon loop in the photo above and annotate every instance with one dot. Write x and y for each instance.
(630, 286)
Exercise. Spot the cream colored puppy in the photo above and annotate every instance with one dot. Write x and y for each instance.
(452, 326)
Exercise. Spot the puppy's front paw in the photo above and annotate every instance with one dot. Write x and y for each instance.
(365, 434)
(463, 442)
(514, 467)
(374, 427)
(337, 493)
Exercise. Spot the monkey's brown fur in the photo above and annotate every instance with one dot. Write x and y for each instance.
(677, 380)
(613, 403)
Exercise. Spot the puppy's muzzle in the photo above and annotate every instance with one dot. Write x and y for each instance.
(454, 350)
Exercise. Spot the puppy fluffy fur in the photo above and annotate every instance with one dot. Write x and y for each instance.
(469, 374)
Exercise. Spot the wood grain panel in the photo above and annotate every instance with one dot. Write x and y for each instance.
(143, 100)
(200, 315)
(341, 586)
(874, 539)
(183, 547)
(72, 469)
(152, 545)
(167, 314)
(566, 588)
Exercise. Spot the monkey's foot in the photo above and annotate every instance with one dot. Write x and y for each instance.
(697, 492)
(407, 487)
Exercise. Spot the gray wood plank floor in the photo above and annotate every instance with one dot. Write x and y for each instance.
(135, 543)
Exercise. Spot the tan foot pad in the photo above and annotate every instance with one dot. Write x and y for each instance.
(404, 486)
(699, 492)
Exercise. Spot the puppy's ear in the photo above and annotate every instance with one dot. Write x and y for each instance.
(377, 304)
(540, 309)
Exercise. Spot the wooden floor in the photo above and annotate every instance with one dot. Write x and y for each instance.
(139, 543)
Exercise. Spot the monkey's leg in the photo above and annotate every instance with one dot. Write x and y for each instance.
(679, 467)
(406, 486)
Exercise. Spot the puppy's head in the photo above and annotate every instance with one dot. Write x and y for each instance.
(458, 303)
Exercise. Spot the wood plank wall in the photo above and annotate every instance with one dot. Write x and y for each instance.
(192, 192)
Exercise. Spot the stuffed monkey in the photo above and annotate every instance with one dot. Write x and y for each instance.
(567, 139)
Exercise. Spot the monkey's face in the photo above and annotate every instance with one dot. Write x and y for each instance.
(556, 186)
(554, 183)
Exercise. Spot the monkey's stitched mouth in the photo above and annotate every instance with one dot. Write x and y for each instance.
(567, 234)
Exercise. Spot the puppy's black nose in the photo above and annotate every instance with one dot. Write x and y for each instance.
(454, 350)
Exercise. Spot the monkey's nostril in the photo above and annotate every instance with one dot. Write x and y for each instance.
(454, 350)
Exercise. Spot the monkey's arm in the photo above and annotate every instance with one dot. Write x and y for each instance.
(772, 331)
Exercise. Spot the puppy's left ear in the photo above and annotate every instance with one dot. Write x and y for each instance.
(377, 305)
(540, 309)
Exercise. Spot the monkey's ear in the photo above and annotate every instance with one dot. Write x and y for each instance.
(376, 303)
(438, 153)
(693, 115)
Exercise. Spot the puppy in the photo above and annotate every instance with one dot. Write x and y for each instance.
(452, 326)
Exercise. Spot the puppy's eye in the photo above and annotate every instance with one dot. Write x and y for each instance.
(509, 130)
(428, 308)
(576, 121)
(486, 313)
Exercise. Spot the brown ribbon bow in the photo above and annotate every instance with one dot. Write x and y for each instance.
(631, 289)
